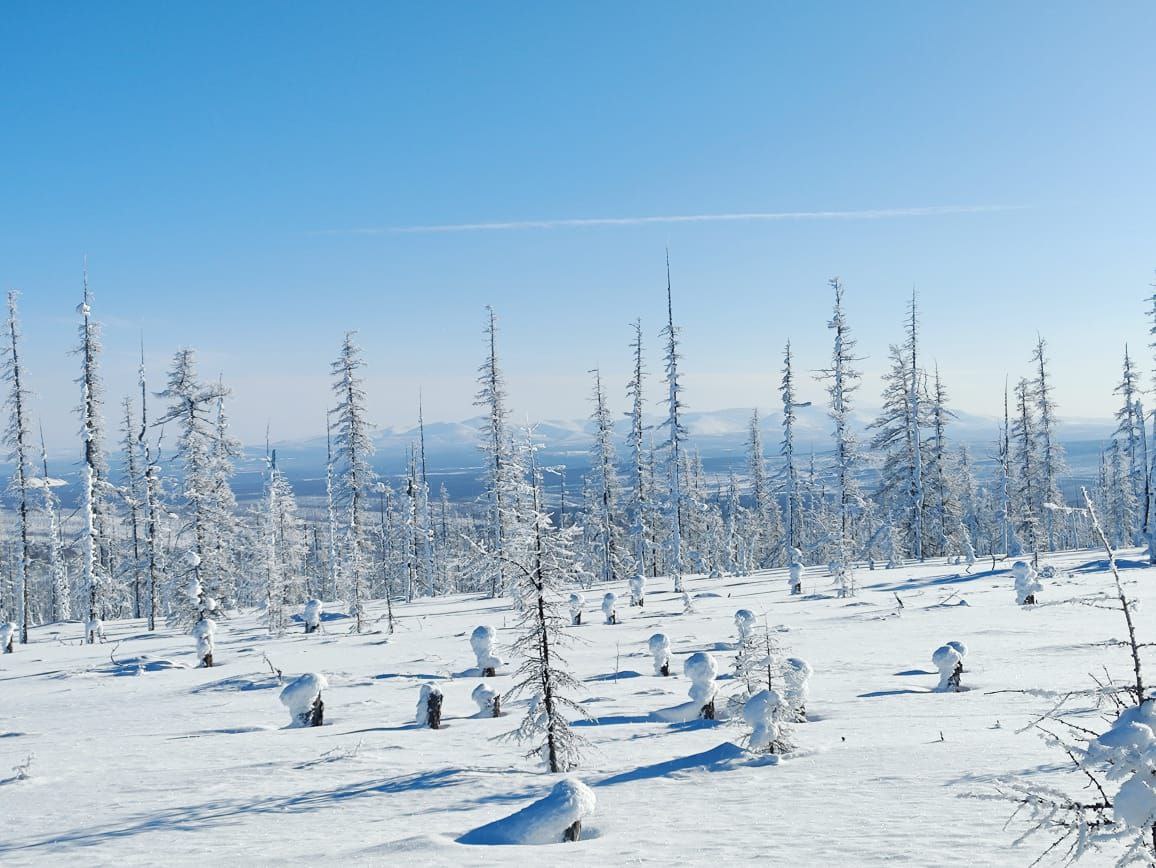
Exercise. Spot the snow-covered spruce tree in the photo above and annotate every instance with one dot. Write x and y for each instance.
(603, 526)
(429, 554)
(501, 472)
(948, 530)
(793, 521)
(60, 591)
(1026, 456)
(843, 380)
(332, 559)
(132, 493)
(223, 502)
(1130, 433)
(282, 550)
(1118, 502)
(96, 550)
(353, 475)
(1051, 453)
(543, 570)
(639, 499)
(17, 437)
(190, 410)
(151, 491)
(1004, 540)
(766, 542)
(675, 445)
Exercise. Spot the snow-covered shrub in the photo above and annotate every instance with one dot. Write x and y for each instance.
(744, 624)
(482, 641)
(312, 616)
(204, 631)
(555, 818)
(795, 577)
(1128, 751)
(687, 604)
(949, 662)
(7, 637)
(489, 700)
(796, 674)
(577, 602)
(1026, 583)
(302, 696)
(94, 630)
(609, 610)
(761, 712)
(429, 707)
(638, 590)
(660, 650)
(702, 670)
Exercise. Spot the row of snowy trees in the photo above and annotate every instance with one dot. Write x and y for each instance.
(165, 539)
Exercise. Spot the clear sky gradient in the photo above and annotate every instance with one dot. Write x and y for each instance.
(254, 178)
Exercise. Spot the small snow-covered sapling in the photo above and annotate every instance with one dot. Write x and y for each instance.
(577, 602)
(796, 675)
(482, 641)
(744, 624)
(94, 630)
(609, 610)
(660, 650)
(687, 604)
(302, 696)
(7, 636)
(638, 590)
(312, 616)
(795, 577)
(203, 632)
(702, 670)
(761, 712)
(429, 707)
(949, 662)
(1027, 583)
(489, 700)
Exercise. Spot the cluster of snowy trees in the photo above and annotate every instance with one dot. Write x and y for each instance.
(163, 537)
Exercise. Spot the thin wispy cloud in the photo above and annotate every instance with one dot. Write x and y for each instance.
(735, 217)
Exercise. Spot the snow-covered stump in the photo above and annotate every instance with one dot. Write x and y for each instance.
(429, 707)
(312, 616)
(94, 631)
(761, 712)
(302, 696)
(660, 651)
(1027, 583)
(489, 700)
(796, 676)
(949, 662)
(638, 590)
(577, 602)
(744, 624)
(795, 577)
(553, 819)
(702, 669)
(204, 631)
(482, 641)
(7, 637)
(609, 610)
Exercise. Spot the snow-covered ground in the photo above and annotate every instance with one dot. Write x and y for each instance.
(139, 759)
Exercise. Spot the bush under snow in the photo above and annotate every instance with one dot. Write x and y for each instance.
(488, 700)
(949, 662)
(761, 713)
(551, 820)
(796, 675)
(312, 615)
(660, 650)
(638, 590)
(1027, 583)
(301, 695)
(482, 641)
(204, 631)
(795, 577)
(702, 669)
(609, 612)
(577, 601)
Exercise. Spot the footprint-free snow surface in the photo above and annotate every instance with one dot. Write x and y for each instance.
(138, 758)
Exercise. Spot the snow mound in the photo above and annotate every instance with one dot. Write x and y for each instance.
(542, 822)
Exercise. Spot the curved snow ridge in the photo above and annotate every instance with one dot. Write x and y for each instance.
(542, 822)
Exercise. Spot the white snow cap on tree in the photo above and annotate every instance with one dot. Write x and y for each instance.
(482, 641)
(760, 712)
(609, 601)
(796, 674)
(637, 588)
(203, 632)
(577, 602)
(702, 669)
(300, 694)
(484, 696)
(946, 659)
(744, 623)
(94, 627)
(543, 821)
(313, 612)
(7, 631)
(660, 650)
(960, 647)
(1026, 581)
(427, 690)
(1135, 803)
(794, 574)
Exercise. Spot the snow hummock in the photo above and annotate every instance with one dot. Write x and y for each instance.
(1135, 803)
(300, 694)
(760, 712)
(541, 822)
(659, 649)
(482, 641)
(609, 613)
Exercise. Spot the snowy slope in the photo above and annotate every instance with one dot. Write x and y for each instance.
(138, 761)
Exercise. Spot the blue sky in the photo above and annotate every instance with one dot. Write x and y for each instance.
(236, 174)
